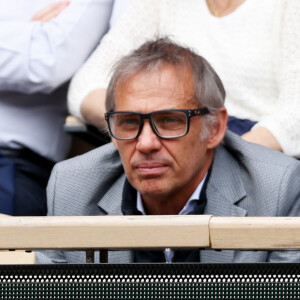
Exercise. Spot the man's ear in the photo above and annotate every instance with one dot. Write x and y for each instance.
(115, 143)
(218, 131)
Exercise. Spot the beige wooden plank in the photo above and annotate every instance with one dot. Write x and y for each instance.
(16, 257)
(255, 232)
(104, 232)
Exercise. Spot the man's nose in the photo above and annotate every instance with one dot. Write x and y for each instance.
(148, 141)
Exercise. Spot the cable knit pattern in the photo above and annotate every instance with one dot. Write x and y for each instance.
(255, 50)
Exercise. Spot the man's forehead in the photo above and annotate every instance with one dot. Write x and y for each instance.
(168, 81)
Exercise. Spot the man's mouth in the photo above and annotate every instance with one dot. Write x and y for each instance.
(151, 169)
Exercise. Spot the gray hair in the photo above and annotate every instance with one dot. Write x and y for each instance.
(153, 55)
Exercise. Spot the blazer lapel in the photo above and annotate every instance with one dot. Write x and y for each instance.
(111, 201)
(110, 204)
(224, 191)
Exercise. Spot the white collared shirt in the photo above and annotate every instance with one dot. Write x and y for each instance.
(36, 58)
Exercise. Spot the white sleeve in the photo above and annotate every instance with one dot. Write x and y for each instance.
(284, 124)
(118, 9)
(139, 22)
(39, 57)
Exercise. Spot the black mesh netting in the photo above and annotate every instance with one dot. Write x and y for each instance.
(150, 281)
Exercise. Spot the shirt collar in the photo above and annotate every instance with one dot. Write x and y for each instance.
(189, 206)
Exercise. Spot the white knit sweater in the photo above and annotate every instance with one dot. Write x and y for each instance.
(255, 50)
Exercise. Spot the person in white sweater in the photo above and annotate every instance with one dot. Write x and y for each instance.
(253, 45)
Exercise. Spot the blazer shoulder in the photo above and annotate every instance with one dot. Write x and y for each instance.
(77, 184)
(251, 153)
(270, 178)
(104, 157)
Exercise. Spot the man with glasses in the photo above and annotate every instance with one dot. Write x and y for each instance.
(166, 116)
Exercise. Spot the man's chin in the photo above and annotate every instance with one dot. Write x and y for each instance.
(152, 189)
(151, 185)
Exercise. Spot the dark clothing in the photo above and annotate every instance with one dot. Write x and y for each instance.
(7, 186)
(24, 176)
(240, 126)
(150, 256)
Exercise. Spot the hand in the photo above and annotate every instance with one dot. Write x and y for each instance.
(262, 136)
(50, 12)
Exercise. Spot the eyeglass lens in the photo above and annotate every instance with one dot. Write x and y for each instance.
(167, 124)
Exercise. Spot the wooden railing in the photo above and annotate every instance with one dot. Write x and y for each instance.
(148, 281)
(126, 232)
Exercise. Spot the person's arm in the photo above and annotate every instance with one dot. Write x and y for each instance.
(87, 91)
(280, 129)
(262, 136)
(93, 108)
(37, 56)
(50, 12)
(118, 8)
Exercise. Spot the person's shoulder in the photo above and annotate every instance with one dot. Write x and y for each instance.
(270, 178)
(103, 158)
(83, 180)
(251, 153)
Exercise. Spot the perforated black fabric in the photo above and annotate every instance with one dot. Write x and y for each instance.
(151, 281)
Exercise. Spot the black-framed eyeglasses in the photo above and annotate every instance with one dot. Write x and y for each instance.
(167, 124)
